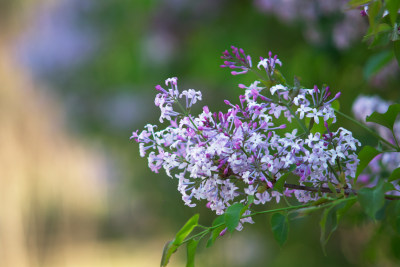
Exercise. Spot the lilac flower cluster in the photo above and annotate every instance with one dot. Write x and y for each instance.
(224, 157)
(236, 59)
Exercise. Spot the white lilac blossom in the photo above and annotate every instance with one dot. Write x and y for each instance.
(269, 64)
(384, 163)
(224, 157)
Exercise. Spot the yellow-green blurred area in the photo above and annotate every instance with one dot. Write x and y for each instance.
(77, 77)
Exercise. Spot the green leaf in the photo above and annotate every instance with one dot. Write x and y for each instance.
(385, 119)
(396, 50)
(215, 233)
(344, 208)
(373, 14)
(220, 219)
(376, 62)
(366, 154)
(328, 217)
(372, 199)
(186, 230)
(191, 252)
(278, 186)
(280, 227)
(168, 250)
(330, 220)
(172, 246)
(357, 3)
(392, 6)
(394, 175)
(232, 216)
(379, 30)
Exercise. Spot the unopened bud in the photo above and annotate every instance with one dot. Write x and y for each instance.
(223, 232)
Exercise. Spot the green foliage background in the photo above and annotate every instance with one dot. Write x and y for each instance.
(144, 205)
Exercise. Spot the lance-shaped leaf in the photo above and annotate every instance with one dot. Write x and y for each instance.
(385, 119)
(191, 252)
(173, 245)
(186, 229)
(168, 250)
(280, 227)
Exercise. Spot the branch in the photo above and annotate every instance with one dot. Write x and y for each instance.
(347, 191)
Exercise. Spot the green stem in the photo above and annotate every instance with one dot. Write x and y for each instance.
(333, 171)
(339, 200)
(256, 72)
(368, 130)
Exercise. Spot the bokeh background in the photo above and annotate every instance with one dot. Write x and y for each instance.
(78, 76)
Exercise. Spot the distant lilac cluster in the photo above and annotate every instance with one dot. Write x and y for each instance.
(347, 25)
(385, 163)
(224, 157)
(364, 106)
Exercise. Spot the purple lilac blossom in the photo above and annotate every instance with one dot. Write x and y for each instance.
(224, 157)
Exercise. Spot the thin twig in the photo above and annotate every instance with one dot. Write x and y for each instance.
(347, 191)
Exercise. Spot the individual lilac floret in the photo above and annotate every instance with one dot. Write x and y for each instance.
(269, 63)
(236, 59)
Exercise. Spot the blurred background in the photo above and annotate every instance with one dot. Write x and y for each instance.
(78, 76)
